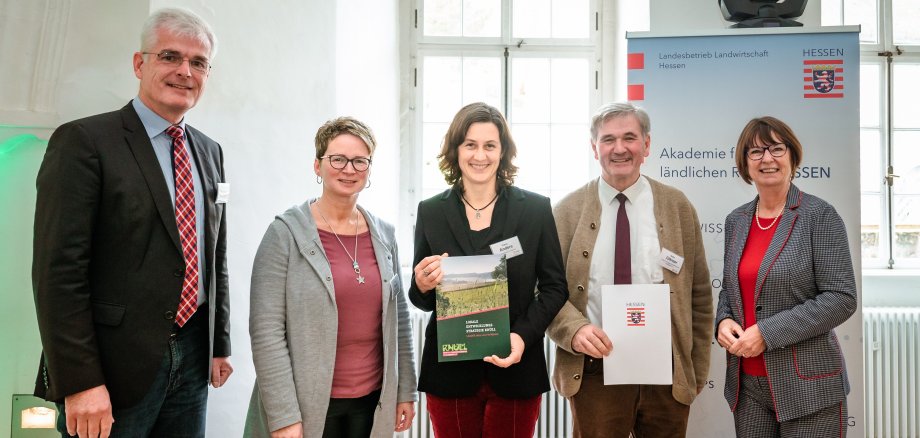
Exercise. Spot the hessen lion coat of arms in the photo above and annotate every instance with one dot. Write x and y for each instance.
(635, 316)
(823, 78)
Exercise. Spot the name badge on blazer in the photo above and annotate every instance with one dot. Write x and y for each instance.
(223, 193)
(670, 261)
(509, 247)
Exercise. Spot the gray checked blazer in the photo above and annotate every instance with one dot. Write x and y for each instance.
(805, 287)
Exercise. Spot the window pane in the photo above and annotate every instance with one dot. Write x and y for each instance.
(570, 155)
(442, 17)
(905, 20)
(906, 161)
(906, 193)
(479, 79)
(550, 19)
(482, 81)
(870, 231)
(832, 12)
(432, 180)
(530, 90)
(906, 95)
(531, 19)
(441, 95)
(869, 97)
(532, 141)
(907, 241)
(570, 18)
(569, 94)
(482, 18)
(870, 161)
(906, 226)
(865, 13)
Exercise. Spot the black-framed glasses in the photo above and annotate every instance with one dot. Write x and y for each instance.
(776, 150)
(175, 59)
(340, 161)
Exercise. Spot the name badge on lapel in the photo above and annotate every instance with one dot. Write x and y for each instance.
(509, 247)
(223, 193)
(670, 261)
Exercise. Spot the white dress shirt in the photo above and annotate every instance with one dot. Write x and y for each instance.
(643, 237)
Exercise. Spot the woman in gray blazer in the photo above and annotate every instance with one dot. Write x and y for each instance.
(788, 282)
(330, 328)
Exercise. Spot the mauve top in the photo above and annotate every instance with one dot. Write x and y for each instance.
(359, 346)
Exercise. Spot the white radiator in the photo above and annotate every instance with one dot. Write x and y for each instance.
(555, 418)
(892, 371)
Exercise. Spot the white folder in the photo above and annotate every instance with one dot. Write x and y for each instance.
(637, 319)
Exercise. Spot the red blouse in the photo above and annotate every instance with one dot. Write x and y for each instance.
(359, 345)
(754, 251)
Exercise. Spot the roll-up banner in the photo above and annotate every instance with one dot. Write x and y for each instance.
(700, 90)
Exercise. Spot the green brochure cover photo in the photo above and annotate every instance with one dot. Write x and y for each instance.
(472, 308)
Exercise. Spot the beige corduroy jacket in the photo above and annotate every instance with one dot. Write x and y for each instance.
(577, 219)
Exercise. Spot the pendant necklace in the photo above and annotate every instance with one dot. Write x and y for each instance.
(477, 210)
(757, 217)
(354, 260)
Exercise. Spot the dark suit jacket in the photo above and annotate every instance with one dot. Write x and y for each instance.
(805, 287)
(442, 227)
(107, 267)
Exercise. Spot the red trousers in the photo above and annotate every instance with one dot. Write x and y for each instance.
(485, 415)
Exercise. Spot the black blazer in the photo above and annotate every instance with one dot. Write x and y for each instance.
(107, 267)
(442, 227)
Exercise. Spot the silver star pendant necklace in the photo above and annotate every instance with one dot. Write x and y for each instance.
(354, 260)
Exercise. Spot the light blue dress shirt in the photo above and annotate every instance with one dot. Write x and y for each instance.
(162, 147)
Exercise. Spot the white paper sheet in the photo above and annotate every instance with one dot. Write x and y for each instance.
(637, 319)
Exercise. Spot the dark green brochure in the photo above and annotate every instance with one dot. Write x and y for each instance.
(472, 308)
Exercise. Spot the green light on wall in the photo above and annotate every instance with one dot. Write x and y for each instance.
(9, 145)
(21, 152)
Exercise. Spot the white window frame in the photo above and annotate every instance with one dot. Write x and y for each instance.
(884, 54)
(419, 45)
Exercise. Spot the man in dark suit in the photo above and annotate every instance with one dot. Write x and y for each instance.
(129, 264)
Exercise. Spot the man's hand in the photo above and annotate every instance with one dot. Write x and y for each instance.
(220, 371)
(89, 413)
(405, 412)
(293, 431)
(749, 344)
(517, 350)
(591, 340)
(729, 332)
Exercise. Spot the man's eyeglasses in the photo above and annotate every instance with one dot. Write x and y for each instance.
(776, 150)
(340, 161)
(175, 59)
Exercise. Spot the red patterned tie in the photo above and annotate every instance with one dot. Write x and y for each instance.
(188, 225)
(622, 263)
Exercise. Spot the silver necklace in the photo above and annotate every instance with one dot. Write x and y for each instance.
(757, 217)
(477, 210)
(354, 260)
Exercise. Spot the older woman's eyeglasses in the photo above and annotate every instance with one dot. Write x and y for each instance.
(175, 59)
(340, 161)
(776, 150)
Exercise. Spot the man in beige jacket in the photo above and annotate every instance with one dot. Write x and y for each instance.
(650, 217)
